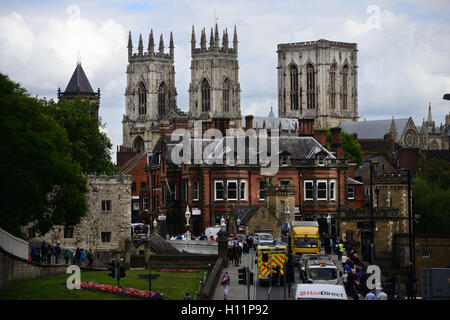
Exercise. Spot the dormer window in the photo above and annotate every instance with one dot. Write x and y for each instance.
(321, 161)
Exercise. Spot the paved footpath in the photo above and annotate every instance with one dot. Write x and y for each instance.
(237, 291)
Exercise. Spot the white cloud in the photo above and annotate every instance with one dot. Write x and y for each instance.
(403, 64)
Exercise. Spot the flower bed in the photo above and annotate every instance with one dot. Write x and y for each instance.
(179, 270)
(130, 292)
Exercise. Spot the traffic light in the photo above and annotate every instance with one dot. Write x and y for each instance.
(250, 278)
(112, 268)
(122, 272)
(242, 275)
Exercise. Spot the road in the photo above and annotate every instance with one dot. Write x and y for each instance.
(261, 292)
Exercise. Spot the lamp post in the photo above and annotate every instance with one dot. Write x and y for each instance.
(155, 226)
(372, 244)
(187, 215)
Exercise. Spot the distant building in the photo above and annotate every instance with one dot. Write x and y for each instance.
(79, 87)
(435, 137)
(318, 80)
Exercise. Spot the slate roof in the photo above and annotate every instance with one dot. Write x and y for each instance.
(273, 123)
(245, 213)
(374, 129)
(79, 82)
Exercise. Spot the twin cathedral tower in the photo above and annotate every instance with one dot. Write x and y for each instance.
(315, 80)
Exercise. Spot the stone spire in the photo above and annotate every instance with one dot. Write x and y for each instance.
(203, 40)
(130, 45)
(216, 37)
(171, 46)
(161, 44)
(225, 39)
(141, 46)
(429, 120)
(211, 39)
(151, 44)
(235, 39)
(393, 129)
(193, 38)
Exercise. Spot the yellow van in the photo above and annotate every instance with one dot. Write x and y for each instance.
(305, 238)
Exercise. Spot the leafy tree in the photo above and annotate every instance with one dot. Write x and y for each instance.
(90, 147)
(431, 194)
(350, 147)
(41, 183)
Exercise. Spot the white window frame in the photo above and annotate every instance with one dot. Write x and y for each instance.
(333, 190)
(304, 190)
(215, 190)
(196, 189)
(353, 192)
(237, 190)
(245, 198)
(326, 190)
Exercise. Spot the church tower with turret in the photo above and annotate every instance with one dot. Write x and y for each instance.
(214, 91)
(150, 95)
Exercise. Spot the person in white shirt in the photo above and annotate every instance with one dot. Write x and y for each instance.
(382, 295)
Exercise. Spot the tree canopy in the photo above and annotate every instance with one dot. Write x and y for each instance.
(431, 194)
(350, 147)
(41, 182)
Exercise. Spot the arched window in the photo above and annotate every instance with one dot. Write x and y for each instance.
(294, 87)
(206, 103)
(226, 95)
(162, 99)
(310, 87)
(344, 93)
(142, 92)
(333, 86)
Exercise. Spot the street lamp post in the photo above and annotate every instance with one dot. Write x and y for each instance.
(372, 244)
(187, 215)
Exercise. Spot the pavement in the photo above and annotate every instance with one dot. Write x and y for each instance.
(237, 291)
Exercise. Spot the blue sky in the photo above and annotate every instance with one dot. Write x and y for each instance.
(403, 64)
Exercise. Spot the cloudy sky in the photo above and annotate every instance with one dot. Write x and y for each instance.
(403, 58)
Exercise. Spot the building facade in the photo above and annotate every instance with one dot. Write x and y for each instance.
(318, 80)
(108, 221)
(435, 137)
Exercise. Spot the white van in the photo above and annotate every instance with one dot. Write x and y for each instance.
(312, 291)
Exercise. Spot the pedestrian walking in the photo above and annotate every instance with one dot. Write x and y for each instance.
(370, 295)
(352, 283)
(49, 253)
(230, 256)
(226, 285)
(235, 256)
(341, 250)
(245, 247)
(78, 257)
(382, 295)
(239, 254)
(35, 256)
(90, 258)
(43, 252)
(67, 256)
(57, 253)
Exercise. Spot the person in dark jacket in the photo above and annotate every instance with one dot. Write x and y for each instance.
(43, 252)
(352, 282)
(49, 253)
(78, 257)
(90, 258)
(57, 253)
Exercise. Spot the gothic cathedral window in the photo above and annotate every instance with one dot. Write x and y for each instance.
(162, 99)
(294, 87)
(142, 100)
(310, 87)
(344, 87)
(333, 86)
(206, 102)
(226, 95)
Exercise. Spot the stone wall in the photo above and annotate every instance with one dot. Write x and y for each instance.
(114, 218)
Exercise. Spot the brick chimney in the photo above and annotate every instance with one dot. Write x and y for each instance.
(336, 142)
(321, 137)
(306, 127)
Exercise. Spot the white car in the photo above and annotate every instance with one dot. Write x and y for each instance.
(262, 239)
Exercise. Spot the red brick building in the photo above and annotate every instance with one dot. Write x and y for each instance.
(212, 190)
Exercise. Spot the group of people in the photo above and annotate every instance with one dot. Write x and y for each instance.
(332, 245)
(355, 280)
(45, 252)
(236, 249)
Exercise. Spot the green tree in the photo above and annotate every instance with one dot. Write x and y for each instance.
(91, 147)
(41, 183)
(350, 147)
(431, 194)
